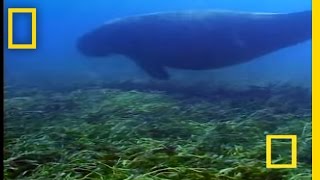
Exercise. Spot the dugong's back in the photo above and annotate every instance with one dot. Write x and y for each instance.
(200, 40)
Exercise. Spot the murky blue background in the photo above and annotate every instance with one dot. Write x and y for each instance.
(60, 23)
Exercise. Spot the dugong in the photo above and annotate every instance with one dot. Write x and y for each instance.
(195, 40)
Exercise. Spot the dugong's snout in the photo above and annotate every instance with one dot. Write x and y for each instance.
(82, 47)
(92, 45)
(86, 47)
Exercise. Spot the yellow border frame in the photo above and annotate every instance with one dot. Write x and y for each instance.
(315, 72)
(33, 12)
(293, 151)
(315, 89)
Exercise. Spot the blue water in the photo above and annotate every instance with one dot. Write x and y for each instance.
(60, 23)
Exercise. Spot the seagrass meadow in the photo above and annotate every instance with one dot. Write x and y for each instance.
(154, 131)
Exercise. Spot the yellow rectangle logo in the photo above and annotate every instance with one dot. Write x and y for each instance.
(33, 12)
(293, 151)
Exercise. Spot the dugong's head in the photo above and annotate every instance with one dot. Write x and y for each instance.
(96, 43)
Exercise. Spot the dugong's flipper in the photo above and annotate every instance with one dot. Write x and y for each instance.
(154, 70)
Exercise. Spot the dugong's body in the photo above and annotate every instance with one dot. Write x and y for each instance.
(196, 40)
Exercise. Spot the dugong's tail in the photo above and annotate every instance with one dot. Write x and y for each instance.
(301, 24)
(294, 28)
(281, 30)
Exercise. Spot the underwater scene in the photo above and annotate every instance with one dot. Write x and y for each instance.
(158, 90)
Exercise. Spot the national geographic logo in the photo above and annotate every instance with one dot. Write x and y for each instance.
(33, 12)
(293, 139)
